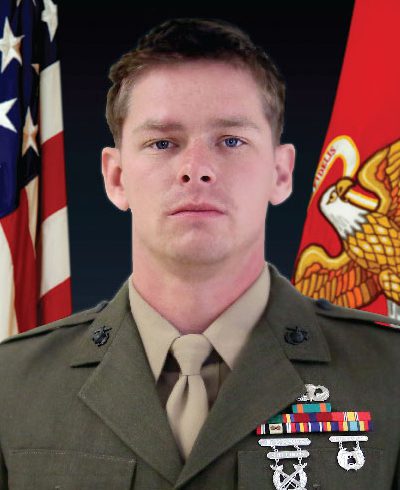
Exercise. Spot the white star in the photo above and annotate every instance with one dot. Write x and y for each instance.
(4, 120)
(49, 15)
(9, 46)
(29, 134)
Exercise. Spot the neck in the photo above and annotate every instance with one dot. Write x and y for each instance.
(191, 298)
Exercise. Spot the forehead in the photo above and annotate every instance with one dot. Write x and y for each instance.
(195, 91)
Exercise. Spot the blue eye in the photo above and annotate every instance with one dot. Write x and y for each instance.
(231, 142)
(161, 144)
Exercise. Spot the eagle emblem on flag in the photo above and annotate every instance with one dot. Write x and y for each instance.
(363, 207)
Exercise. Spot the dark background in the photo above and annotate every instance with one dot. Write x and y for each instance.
(306, 39)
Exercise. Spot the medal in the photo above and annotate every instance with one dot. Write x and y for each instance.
(315, 415)
(350, 460)
(282, 480)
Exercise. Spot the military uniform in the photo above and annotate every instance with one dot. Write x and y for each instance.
(79, 408)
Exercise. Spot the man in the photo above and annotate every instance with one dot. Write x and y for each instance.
(164, 386)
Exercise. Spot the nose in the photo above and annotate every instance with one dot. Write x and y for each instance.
(196, 165)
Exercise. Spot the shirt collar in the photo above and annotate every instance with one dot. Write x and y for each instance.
(228, 333)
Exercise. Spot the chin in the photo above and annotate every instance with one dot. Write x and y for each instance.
(199, 255)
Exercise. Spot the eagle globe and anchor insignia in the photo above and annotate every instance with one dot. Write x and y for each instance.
(101, 336)
(363, 206)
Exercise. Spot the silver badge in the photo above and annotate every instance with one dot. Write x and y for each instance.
(282, 480)
(350, 459)
(314, 393)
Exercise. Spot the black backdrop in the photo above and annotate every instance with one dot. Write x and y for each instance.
(306, 39)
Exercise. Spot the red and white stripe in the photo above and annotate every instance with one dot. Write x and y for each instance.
(35, 287)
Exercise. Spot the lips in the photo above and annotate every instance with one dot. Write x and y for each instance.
(196, 207)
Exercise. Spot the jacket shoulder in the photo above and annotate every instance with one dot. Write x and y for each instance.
(75, 319)
(326, 308)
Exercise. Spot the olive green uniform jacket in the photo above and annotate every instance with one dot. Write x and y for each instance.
(77, 415)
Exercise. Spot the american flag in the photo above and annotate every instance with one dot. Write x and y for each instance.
(35, 286)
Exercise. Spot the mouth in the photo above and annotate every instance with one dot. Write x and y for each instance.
(207, 213)
(199, 209)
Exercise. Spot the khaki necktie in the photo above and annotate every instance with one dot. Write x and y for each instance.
(187, 405)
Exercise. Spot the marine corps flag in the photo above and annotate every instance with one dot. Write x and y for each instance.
(350, 248)
(34, 252)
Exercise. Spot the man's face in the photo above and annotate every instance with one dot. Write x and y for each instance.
(196, 133)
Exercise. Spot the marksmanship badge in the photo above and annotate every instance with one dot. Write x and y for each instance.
(296, 480)
(350, 459)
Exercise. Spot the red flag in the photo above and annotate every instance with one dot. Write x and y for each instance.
(350, 248)
(34, 249)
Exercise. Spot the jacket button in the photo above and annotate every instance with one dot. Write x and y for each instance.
(296, 335)
(324, 304)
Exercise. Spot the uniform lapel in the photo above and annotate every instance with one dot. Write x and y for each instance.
(264, 380)
(121, 390)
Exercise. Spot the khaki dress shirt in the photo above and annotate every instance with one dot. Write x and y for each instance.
(228, 334)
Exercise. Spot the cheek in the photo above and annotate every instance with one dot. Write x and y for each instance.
(132, 186)
(251, 207)
(253, 190)
(140, 186)
(149, 199)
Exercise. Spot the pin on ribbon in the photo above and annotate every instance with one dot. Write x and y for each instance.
(296, 480)
(350, 460)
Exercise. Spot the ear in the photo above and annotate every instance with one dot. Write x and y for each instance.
(111, 169)
(284, 163)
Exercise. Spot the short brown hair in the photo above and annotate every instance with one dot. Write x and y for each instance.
(177, 40)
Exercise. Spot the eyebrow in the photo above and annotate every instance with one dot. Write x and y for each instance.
(222, 122)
